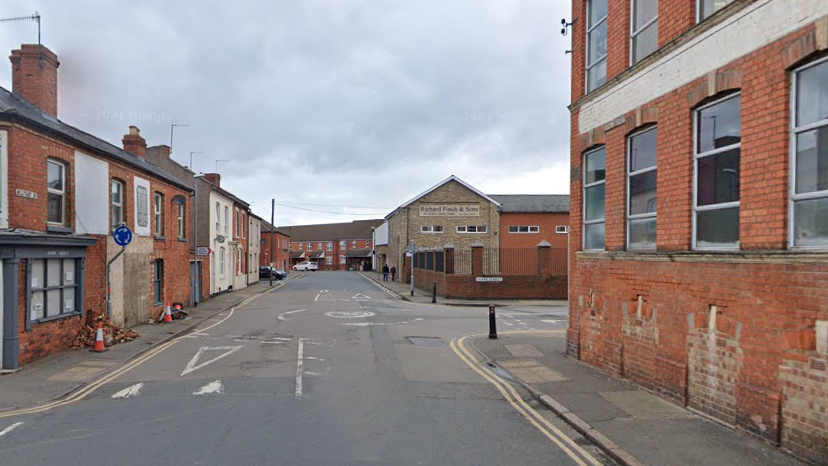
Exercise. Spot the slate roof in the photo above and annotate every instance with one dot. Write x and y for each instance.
(358, 229)
(533, 203)
(433, 188)
(15, 109)
(297, 254)
(358, 253)
(266, 228)
(317, 254)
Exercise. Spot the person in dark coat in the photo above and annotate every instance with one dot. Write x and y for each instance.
(394, 273)
(385, 273)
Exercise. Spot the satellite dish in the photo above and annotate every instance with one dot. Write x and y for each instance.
(219, 239)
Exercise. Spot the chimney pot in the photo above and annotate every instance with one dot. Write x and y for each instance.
(34, 76)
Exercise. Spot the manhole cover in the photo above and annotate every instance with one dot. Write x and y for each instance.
(425, 341)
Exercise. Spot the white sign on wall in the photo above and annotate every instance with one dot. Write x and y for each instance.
(489, 279)
(91, 202)
(142, 203)
(449, 210)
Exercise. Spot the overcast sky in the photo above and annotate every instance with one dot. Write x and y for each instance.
(327, 105)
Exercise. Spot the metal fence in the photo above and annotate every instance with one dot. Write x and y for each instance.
(513, 261)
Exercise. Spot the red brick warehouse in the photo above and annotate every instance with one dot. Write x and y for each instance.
(699, 214)
(64, 192)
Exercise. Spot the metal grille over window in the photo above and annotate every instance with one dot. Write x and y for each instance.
(594, 196)
(596, 53)
(809, 190)
(54, 288)
(641, 190)
(644, 30)
(717, 154)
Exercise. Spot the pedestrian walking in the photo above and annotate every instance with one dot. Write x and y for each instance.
(385, 273)
(394, 273)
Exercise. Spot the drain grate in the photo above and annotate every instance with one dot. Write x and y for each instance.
(425, 341)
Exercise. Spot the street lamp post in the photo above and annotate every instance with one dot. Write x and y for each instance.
(194, 206)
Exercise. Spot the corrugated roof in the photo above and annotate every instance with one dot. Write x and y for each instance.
(358, 229)
(14, 108)
(533, 202)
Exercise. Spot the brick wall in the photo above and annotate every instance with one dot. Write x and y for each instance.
(547, 223)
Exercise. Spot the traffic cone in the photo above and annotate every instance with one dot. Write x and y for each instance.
(99, 346)
(167, 314)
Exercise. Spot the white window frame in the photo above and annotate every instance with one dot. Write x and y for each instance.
(586, 42)
(583, 198)
(430, 229)
(699, 18)
(562, 229)
(343, 244)
(239, 256)
(341, 260)
(478, 229)
(330, 246)
(227, 221)
(218, 218)
(654, 168)
(696, 158)
(57, 192)
(158, 213)
(243, 224)
(792, 194)
(236, 222)
(310, 246)
(635, 33)
(530, 229)
(182, 225)
(329, 260)
(115, 222)
(4, 180)
(221, 261)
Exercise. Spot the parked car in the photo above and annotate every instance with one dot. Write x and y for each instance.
(266, 271)
(307, 265)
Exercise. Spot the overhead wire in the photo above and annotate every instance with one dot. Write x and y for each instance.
(328, 212)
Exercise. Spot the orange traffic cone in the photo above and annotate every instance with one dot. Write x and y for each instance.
(99, 341)
(167, 314)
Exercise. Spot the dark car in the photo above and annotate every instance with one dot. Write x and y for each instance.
(265, 272)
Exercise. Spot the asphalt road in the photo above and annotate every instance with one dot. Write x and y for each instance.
(319, 372)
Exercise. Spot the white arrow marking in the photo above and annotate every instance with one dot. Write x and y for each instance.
(210, 388)
(282, 315)
(10, 428)
(360, 297)
(191, 366)
(323, 291)
(129, 392)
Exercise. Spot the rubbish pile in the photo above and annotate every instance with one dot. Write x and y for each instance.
(112, 334)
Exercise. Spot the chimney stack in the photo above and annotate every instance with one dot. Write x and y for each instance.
(214, 178)
(133, 142)
(162, 149)
(34, 76)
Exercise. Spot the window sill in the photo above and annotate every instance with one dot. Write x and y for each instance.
(58, 229)
(183, 240)
(731, 257)
(57, 317)
(160, 238)
(157, 304)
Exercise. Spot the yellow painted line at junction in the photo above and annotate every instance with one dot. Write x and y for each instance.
(566, 444)
(98, 383)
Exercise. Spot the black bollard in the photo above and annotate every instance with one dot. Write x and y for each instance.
(492, 322)
(434, 293)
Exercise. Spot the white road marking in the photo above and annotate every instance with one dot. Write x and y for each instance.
(129, 392)
(349, 314)
(300, 367)
(369, 324)
(553, 321)
(210, 388)
(312, 373)
(282, 315)
(201, 332)
(191, 366)
(10, 428)
(281, 339)
(273, 343)
(314, 358)
(360, 297)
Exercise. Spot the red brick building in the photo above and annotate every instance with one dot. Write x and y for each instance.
(279, 244)
(64, 191)
(715, 295)
(528, 219)
(334, 246)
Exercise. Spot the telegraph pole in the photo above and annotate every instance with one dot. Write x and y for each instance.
(272, 250)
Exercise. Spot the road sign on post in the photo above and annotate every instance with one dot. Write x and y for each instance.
(122, 236)
(412, 249)
(203, 251)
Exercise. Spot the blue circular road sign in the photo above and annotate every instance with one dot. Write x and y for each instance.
(122, 235)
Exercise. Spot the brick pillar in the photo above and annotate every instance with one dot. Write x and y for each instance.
(449, 258)
(477, 259)
(545, 259)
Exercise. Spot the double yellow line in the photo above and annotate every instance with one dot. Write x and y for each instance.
(572, 449)
(93, 386)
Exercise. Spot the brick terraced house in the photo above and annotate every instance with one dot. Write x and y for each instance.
(279, 245)
(63, 192)
(333, 246)
(699, 209)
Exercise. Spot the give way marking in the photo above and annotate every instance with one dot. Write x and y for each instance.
(191, 366)
(129, 392)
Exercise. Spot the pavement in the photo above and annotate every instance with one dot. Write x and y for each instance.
(403, 291)
(628, 423)
(63, 373)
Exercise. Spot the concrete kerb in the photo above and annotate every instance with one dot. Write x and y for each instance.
(159, 343)
(388, 290)
(584, 428)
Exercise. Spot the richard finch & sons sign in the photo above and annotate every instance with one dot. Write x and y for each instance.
(449, 210)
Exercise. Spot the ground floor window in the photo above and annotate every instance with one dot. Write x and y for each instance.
(157, 281)
(53, 288)
(330, 261)
(341, 259)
